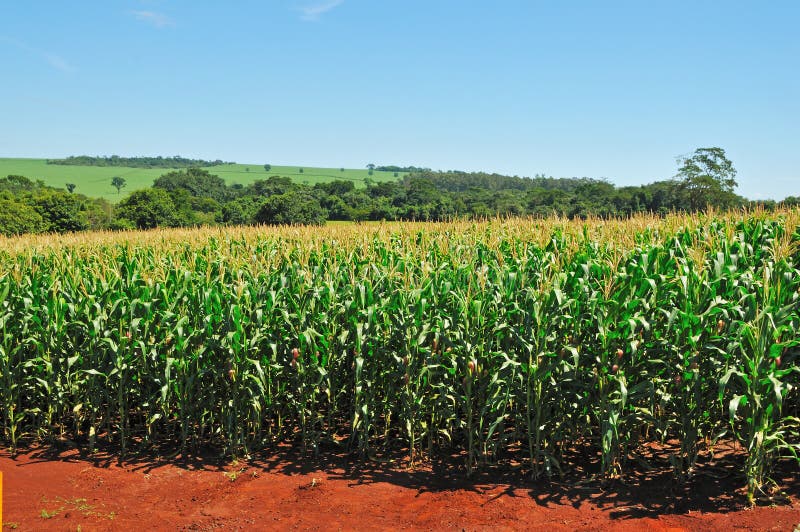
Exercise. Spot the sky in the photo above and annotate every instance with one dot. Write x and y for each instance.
(613, 89)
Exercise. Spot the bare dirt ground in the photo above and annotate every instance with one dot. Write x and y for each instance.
(50, 490)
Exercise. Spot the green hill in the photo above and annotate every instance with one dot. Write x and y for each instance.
(95, 181)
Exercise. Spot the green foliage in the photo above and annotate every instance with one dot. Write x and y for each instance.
(547, 344)
(707, 178)
(336, 188)
(62, 212)
(192, 210)
(118, 183)
(93, 180)
(403, 169)
(196, 181)
(148, 208)
(97, 212)
(291, 208)
(17, 184)
(55, 210)
(18, 218)
(121, 224)
(241, 211)
(134, 162)
(271, 186)
(200, 197)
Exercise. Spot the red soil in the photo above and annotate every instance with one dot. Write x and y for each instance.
(45, 491)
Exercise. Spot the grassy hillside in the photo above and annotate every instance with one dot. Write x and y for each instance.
(95, 181)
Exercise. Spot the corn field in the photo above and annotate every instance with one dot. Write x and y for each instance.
(486, 339)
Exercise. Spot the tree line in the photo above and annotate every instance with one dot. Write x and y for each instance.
(195, 196)
(175, 161)
(403, 169)
(28, 206)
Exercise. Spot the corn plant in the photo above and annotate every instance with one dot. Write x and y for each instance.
(507, 340)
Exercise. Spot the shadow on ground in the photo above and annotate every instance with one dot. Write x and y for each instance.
(647, 488)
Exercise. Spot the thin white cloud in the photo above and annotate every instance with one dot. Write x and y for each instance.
(314, 11)
(158, 20)
(55, 61)
(58, 62)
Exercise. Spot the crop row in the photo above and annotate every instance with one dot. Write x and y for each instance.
(474, 338)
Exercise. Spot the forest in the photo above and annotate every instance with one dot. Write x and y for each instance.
(194, 197)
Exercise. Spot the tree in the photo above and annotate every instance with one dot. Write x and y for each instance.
(301, 170)
(267, 167)
(791, 201)
(98, 213)
(337, 187)
(17, 184)
(337, 208)
(191, 210)
(291, 208)
(17, 218)
(341, 169)
(118, 183)
(272, 186)
(61, 212)
(71, 187)
(240, 211)
(135, 162)
(420, 190)
(196, 181)
(707, 177)
(370, 166)
(148, 208)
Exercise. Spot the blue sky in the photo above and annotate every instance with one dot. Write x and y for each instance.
(613, 89)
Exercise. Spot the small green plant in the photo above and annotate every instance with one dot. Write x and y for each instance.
(234, 474)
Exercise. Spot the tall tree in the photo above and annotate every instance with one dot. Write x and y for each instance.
(17, 218)
(707, 177)
(291, 208)
(197, 181)
(61, 212)
(118, 182)
(148, 208)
